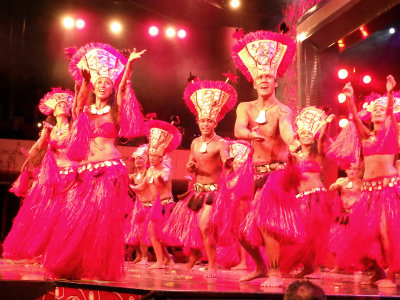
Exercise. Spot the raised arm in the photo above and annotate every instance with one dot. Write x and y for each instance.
(363, 131)
(390, 84)
(127, 74)
(322, 137)
(82, 95)
(286, 129)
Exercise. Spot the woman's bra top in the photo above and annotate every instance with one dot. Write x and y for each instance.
(384, 143)
(105, 130)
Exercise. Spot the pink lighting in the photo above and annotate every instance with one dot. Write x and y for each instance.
(170, 32)
(367, 79)
(182, 33)
(341, 98)
(343, 73)
(68, 22)
(343, 122)
(154, 31)
(80, 24)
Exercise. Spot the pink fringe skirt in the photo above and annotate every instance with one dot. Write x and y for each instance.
(316, 209)
(136, 225)
(35, 220)
(378, 207)
(88, 238)
(278, 211)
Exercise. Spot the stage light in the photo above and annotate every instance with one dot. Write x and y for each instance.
(367, 79)
(80, 24)
(392, 30)
(365, 104)
(170, 32)
(301, 37)
(234, 3)
(68, 22)
(341, 44)
(116, 27)
(364, 32)
(39, 125)
(343, 122)
(343, 73)
(154, 31)
(341, 98)
(182, 33)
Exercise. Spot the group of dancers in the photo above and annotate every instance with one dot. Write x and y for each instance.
(263, 190)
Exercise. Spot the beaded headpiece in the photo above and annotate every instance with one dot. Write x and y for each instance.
(163, 137)
(310, 119)
(375, 99)
(210, 99)
(49, 102)
(263, 53)
(101, 60)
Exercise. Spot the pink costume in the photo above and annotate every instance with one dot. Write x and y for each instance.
(34, 222)
(380, 200)
(88, 239)
(256, 54)
(138, 220)
(163, 138)
(211, 100)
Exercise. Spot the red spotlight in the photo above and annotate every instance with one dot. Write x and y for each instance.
(341, 44)
(343, 73)
(153, 30)
(343, 122)
(341, 98)
(80, 24)
(68, 22)
(367, 79)
(182, 33)
(364, 32)
(170, 32)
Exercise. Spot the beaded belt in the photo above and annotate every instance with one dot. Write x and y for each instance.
(369, 185)
(199, 188)
(147, 204)
(67, 170)
(167, 201)
(94, 166)
(268, 168)
(314, 190)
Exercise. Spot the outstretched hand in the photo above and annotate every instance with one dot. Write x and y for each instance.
(254, 135)
(136, 55)
(86, 75)
(348, 90)
(390, 83)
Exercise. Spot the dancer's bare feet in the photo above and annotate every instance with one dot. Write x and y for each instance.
(240, 266)
(307, 270)
(257, 273)
(137, 259)
(334, 270)
(379, 274)
(211, 274)
(194, 257)
(385, 283)
(314, 275)
(274, 279)
(157, 265)
(143, 262)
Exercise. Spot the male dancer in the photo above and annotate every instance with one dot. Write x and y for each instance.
(209, 101)
(267, 123)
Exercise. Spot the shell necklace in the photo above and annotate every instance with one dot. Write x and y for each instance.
(203, 148)
(96, 111)
(60, 131)
(262, 117)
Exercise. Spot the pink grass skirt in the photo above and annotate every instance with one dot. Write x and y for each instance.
(88, 239)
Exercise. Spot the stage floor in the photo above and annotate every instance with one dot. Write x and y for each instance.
(177, 283)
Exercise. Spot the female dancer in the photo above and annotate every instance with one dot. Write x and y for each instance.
(349, 189)
(311, 193)
(137, 223)
(33, 224)
(372, 237)
(88, 239)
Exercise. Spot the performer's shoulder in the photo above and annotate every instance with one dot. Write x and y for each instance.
(284, 109)
(246, 104)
